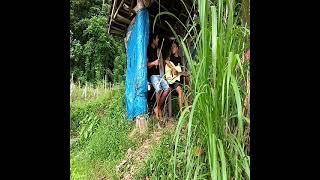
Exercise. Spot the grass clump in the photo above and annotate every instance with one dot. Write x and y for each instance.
(102, 134)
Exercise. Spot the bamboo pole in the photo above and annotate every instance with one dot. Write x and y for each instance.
(112, 11)
(120, 5)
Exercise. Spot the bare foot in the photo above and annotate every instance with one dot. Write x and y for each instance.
(156, 111)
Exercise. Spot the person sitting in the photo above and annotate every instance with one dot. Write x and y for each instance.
(159, 83)
(177, 85)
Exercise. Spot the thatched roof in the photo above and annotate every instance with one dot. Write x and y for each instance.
(121, 15)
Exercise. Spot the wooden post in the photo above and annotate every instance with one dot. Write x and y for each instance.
(71, 80)
(105, 83)
(169, 106)
(82, 93)
(71, 89)
(85, 91)
(71, 85)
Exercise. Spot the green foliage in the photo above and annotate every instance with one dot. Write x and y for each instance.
(79, 111)
(88, 125)
(102, 131)
(160, 163)
(216, 122)
(94, 54)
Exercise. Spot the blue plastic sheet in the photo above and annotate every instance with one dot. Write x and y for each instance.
(136, 77)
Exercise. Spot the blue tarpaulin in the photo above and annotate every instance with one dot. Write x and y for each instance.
(136, 77)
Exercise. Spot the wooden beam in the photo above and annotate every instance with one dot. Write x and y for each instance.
(112, 31)
(117, 29)
(124, 11)
(119, 24)
(113, 6)
(131, 7)
(111, 19)
(126, 7)
(120, 6)
(122, 19)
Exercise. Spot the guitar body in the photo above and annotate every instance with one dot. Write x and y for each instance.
(171, 78)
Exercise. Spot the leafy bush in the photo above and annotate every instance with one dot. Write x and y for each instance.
(93, 52)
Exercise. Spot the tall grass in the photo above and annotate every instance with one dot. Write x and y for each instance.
(101, 129)
(216, 121)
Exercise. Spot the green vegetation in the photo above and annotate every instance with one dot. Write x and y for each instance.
(217, 123)
(210, 142)
(94, 54)
(101, 132)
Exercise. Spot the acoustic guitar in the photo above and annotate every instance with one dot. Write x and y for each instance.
(170, 77)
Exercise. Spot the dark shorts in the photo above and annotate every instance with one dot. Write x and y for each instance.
(175, 85)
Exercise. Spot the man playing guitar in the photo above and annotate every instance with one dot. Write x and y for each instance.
(173, 62)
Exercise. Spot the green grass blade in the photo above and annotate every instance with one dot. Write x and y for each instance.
(223, 160)
(239, 106)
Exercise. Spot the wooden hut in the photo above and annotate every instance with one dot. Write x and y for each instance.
(121, 15)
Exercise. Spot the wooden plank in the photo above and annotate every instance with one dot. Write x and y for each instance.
(119, 24)
(117, 29)
(124, 12)
(122, 19)
(120, 6)
(112, 31)
(111, 19)
(126, 7)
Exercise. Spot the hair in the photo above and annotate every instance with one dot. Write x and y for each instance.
(154, 35)
(175, 42)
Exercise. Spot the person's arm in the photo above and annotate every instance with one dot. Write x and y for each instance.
(168, 62)
(174, 71)
(153, 63)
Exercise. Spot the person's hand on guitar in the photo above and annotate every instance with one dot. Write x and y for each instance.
(174, 71)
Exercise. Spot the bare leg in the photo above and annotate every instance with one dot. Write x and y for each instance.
(157, 108)
(180, 95)
(163, 97)
(161, 101)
